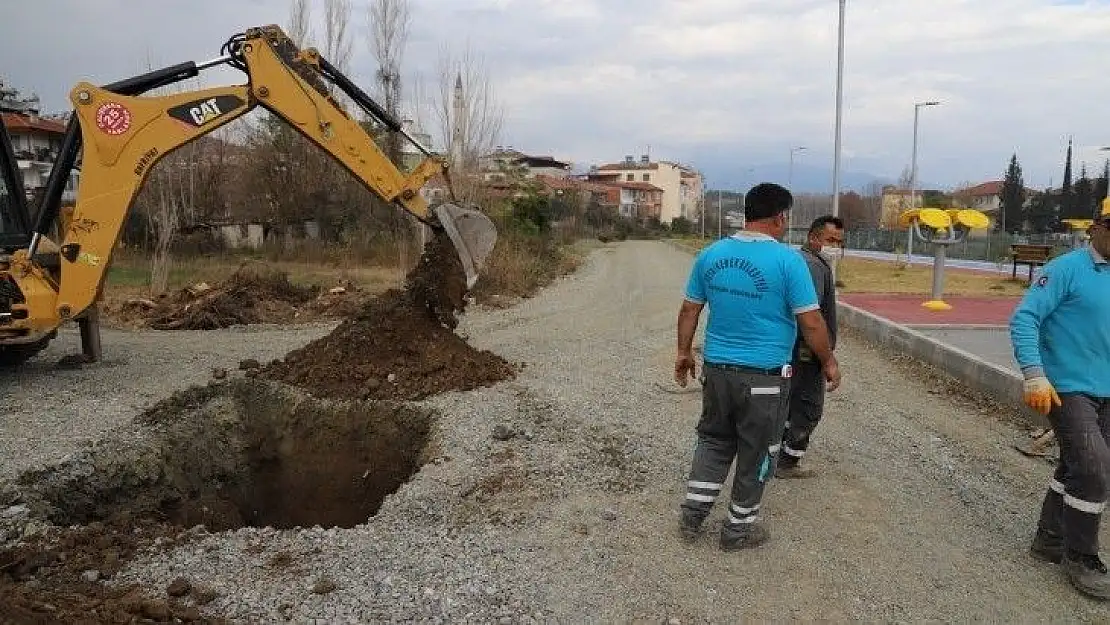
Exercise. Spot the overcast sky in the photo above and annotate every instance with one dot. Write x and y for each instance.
(724, 84)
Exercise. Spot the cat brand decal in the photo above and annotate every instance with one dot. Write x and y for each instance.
(200, 112)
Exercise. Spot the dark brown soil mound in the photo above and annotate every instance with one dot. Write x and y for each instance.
(401, 345)
(46, 581)
(250, 295)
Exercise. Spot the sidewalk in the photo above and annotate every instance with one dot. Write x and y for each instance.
(970, 342)
(979, 325)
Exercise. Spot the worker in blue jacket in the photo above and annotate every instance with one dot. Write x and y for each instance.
(1061, 339)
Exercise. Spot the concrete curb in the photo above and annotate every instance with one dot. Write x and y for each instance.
(1001, 383)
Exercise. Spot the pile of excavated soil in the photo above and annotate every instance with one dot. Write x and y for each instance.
(401, 345)
(249, 296)
(60, 579)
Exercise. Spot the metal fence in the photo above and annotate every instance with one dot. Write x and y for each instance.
(994, 247)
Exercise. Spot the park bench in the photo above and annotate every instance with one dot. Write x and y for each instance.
(1032, 255)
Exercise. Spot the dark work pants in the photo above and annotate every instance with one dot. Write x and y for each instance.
(1078, 491)
(742, 419)
(807, 402)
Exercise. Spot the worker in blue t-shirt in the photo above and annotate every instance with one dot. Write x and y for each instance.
(759, 291)
(1061, 337)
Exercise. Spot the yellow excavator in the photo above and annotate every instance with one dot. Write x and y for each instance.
(119, 136)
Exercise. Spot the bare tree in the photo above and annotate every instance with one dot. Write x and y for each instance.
(906, 177)
(300, 22)
(469, 117)
(389, 28)
(337, 40)
(388, 22)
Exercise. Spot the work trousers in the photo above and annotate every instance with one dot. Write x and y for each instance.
(807, 402)
(1077, 493)
(743, 414)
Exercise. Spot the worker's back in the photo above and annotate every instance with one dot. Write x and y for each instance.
(753, 286)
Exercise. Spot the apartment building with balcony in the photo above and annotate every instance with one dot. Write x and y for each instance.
(682, 187)
(36, 140)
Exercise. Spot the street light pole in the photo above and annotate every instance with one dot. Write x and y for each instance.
(719, 226)
(839, 111)
(913, 170)
(789, 185)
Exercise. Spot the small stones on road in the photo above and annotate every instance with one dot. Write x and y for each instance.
(179, 587)
(503, 432)
(324, 585)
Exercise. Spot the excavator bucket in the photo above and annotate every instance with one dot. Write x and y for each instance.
(473, 234)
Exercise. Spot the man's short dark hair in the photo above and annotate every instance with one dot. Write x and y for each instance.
(819, 224)
(766, 200)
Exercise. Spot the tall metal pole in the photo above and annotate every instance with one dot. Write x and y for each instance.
(913, 182)
(789, 185)
(839, 111)
(913, 171)
(701, 214)
(719, 214)
(913, 159)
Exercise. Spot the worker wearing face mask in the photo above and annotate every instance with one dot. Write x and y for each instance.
(807, 392)
(1061, 337)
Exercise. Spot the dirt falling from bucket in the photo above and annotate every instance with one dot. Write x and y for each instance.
(401, 345)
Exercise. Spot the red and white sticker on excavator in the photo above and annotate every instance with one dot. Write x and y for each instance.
(113, 118)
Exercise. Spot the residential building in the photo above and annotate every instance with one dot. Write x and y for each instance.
(895, 201)
(693, 194)
(682, 186)
(639, 200)
(987, 197)
(411, 156)
(507, 163)
(36, 141)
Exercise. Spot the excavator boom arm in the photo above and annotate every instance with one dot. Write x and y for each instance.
(123, 135)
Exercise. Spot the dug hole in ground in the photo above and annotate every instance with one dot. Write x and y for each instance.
(496, 493)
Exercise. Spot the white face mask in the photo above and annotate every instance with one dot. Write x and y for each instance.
(830, 254)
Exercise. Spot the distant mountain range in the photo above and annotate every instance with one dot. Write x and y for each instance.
(805, 179)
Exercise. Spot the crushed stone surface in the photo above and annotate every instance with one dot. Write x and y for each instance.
(553, 497)
(51, 411)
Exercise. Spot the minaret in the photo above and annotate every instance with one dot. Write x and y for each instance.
(458, 133)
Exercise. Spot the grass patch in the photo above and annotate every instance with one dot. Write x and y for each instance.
(521, 264)
(129, 276)
(864, 275)
(860, 275)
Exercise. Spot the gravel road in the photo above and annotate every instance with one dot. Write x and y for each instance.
(921, 510)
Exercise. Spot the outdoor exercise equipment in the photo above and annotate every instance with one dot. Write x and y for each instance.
(941, 227)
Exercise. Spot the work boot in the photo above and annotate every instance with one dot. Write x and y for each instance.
(793, 471)
(789, 468)
(1047, 547)
(1087, 573)
(689, 527)
(754, 536)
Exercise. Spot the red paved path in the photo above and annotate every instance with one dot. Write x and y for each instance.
(907, 309)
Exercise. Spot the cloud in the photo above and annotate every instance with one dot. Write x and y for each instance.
(593, 80)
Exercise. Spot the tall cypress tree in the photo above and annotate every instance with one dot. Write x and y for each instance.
(1083, 197)
(1012, 198)
(1066, 200)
